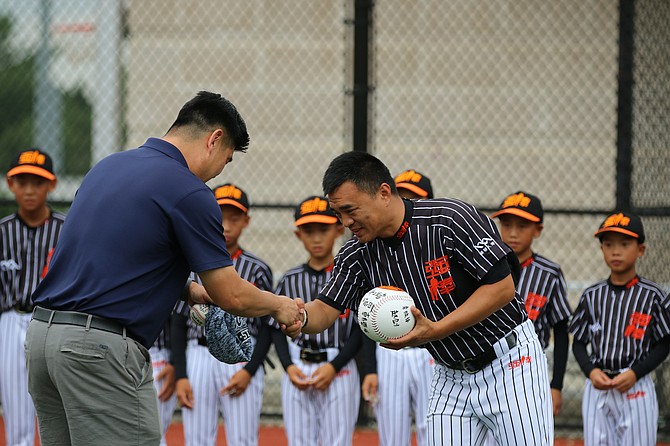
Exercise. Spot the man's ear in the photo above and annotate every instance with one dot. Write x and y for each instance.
(384, 191)
(214, 137)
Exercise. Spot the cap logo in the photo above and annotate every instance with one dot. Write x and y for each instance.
(410, 176)
(516, 200)
(32, 157)
(616, 220)
(315, 205)
(228, 192)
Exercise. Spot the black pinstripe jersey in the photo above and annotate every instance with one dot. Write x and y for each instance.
(163, 339)
(440, 255)
(543, 287)
(305, 282)
(252, 269)
(620, 322)
(25, 254)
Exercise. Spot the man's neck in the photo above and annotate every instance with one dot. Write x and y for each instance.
(396, 212)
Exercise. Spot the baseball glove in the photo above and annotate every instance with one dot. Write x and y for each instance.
(228, 338)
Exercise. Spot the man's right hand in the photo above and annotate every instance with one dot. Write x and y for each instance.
(290, 312)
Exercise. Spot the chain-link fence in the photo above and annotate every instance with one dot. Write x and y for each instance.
(485, 97)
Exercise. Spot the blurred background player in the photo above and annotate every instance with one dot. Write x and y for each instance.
(164, 379)
(205, 385)
(320, 393)
(624, 321)
(541, 285)
(27, 240)
(399, 383)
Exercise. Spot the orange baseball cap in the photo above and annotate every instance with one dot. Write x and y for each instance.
(314, 209)
(33, 162)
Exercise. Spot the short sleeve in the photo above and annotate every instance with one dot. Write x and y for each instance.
(196, 221)
(580, 321)
(559, 309)
(347, 283)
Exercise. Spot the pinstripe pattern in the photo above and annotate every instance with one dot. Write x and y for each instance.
(404, 387)
(612, 417)
(512, 401)
(304, 282)
(543, 287)
(160, 357)
(24, 256)
(315, 417)
(439, 228)
(606, 316)
(207, 375)
(310, 416)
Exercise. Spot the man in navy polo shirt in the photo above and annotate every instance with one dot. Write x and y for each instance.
(140, 222)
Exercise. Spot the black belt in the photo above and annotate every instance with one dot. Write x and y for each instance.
(23, 308)
(79, 319)
(473, 365)
(202, 340)
(315, 356)
(611, 374)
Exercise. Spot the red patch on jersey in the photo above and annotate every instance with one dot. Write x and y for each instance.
(437, 284)
(519, 362)
(637, 325)
(345, 314)
(534, 304)
(45, 270)
(344, 372)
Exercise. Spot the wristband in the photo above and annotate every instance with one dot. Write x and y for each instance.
(304, 321)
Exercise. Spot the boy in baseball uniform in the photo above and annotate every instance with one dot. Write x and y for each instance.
(320, 390)
(541, 284)
(206, 386)
(27, 240)
(625, 322)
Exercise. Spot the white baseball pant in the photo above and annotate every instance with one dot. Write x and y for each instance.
(160, 357)
(17, 405)
(615, 418)
(315, 417)
(510, 397)
(404, 378)
(241, 414)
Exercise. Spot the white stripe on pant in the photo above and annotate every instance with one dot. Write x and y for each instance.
(241, 414)
(18, 409)
(315, 417)
(510, 397)
(625, 419)
(160, 357)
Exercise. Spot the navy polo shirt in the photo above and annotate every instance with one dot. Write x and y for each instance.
(139, 223)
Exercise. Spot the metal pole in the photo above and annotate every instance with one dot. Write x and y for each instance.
(624, 162)
(362, 21)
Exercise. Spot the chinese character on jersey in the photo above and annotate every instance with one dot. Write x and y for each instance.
(534, 304)
(637, 325)
(437, 285)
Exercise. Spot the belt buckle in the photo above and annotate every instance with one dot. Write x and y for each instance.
(469, 366)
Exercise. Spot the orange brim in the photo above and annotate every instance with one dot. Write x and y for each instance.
(225, 201)
(326, 219)
(518, 213)
(32, 170)
(411, 187)
(616, 229)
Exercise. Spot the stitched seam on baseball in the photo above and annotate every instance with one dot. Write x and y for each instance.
(375, 311)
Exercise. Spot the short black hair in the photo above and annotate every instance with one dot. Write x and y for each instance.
(362, 169)
(207, 111)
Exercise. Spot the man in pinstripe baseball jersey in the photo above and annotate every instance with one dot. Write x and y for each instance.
(206, 386)
(27, 239)
(625, 321)
(491, 371)
(320, 393)
(541, 285)
(399, 380)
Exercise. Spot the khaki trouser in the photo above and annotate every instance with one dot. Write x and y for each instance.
(90, 387)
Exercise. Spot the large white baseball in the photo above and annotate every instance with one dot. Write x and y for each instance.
(198, 314)
(384, 313)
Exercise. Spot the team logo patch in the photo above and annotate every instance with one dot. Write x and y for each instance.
(519, 362)
(483, 245)
(637, 325)
(435, 270)
(9, 265)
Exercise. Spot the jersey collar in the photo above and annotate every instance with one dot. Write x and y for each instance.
(528, 261)
(401, 233)
(166, 148)
(630, 284)
(311, 270)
